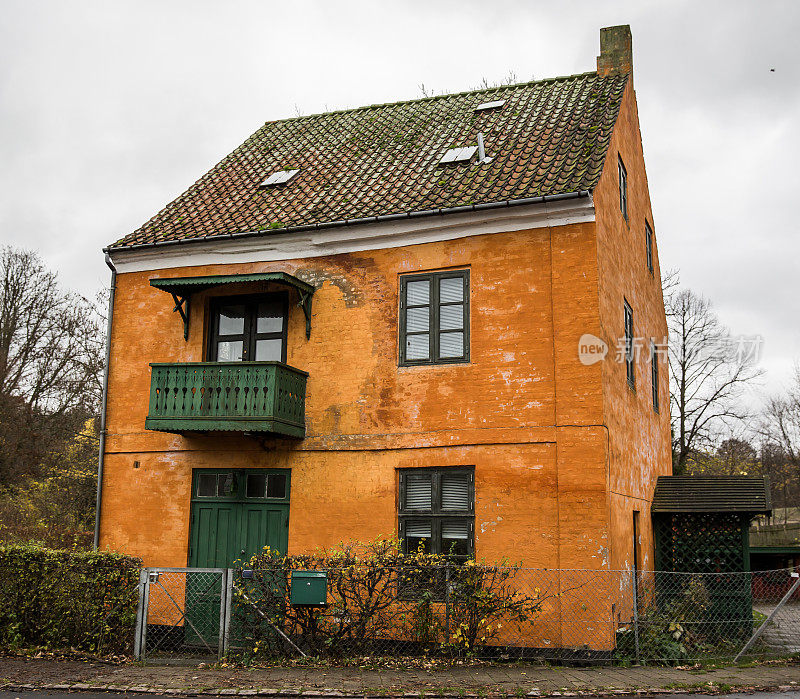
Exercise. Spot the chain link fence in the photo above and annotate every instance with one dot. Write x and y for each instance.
(182, 612)
(495, 613)
(519, 613)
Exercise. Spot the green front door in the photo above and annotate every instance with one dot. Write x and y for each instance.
(234, 515)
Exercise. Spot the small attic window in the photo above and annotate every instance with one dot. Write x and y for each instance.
(458, 155)
(280, 177)
(490, 105)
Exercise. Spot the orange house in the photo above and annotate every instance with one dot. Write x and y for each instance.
(439, 319)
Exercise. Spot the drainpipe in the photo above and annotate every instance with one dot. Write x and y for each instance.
(104, 405)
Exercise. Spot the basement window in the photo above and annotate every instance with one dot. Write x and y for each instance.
(458, 155)
(280, 177)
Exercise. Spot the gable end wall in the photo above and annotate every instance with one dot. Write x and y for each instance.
(638, 438)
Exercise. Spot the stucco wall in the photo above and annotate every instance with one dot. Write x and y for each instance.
(639, 438)
(525, 412)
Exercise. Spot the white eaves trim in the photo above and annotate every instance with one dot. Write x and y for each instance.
(356, 238)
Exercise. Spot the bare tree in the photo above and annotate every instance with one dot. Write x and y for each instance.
(784, 479)
(782, 420)
(670, 285)
(51, 355)
(780, 430)
(709, 370)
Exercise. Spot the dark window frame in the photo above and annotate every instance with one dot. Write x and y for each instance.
(654, 375)
(436, 515)
(648, 245)
(623, 187)
(240, 495)
(434, 317)
(630, 369)
(249, 336)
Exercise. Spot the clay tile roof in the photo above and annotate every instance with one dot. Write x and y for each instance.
(746, 494)
(550, 137)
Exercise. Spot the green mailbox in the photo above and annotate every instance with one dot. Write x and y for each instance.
(309, 588)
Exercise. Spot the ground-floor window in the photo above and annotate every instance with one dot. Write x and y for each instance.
(437, 510)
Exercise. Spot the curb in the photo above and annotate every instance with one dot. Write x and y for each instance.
(326, 694)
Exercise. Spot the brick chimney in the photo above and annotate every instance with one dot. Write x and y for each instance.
(616, 51)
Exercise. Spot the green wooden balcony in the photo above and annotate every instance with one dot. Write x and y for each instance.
(262, 397)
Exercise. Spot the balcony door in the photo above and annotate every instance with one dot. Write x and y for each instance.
(249, 328)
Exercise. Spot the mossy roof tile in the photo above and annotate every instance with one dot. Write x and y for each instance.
(550, 137)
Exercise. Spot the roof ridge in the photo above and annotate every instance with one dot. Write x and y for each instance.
(461, 93)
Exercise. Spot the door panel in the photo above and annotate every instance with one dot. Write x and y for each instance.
(264, 525)
(215, 534)
(213, 539)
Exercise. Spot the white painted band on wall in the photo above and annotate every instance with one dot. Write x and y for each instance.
(334, 241)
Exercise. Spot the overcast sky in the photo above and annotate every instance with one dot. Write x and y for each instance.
(108, 110)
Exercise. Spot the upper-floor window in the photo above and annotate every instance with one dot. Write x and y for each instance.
(437, 510)
(434, 318)
(629, 348)
(654, 373)
(623, 189)
(648, 245)
(248, 328)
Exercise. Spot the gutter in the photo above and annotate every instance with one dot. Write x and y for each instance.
(104, 405)
(357, 221)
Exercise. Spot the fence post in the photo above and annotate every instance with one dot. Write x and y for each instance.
(145, 610)
(636, 614)
(763, 626)
(140, 615)
(228, 602)
(447, 601)
(223, 588)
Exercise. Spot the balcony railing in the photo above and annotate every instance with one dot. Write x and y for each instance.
(263, 397)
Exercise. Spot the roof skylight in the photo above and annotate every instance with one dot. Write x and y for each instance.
(280, 177)
(490, 105)
(458, 155)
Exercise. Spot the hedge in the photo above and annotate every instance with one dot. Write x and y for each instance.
(67, 599)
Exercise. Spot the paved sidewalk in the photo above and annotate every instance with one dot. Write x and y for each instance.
(518, 680)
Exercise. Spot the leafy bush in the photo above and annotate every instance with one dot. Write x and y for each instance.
(672, 628)
(378, 598)
(67, 599)
(56, 508)
(483, 599)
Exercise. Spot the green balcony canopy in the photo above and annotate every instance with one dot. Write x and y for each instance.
(182, 289)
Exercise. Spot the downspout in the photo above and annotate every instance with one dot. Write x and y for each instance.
(104, 405)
